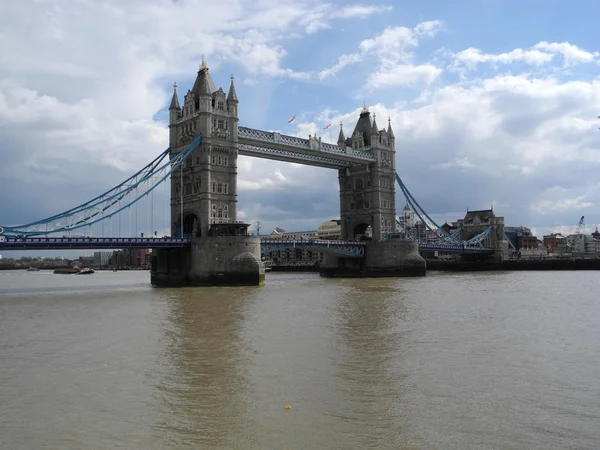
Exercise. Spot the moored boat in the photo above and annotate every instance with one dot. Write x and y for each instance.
(67, 270)
(86, 271)
(33, 269)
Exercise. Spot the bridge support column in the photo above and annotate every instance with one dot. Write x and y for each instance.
(382, 259)
(210, 261)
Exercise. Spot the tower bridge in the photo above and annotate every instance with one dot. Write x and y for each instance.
(209, 245)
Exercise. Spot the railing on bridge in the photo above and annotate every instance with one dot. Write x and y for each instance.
(73, 243)
(347, 248)
(309, 148)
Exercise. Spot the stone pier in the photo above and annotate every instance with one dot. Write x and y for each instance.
(210, 261)
(382, 259)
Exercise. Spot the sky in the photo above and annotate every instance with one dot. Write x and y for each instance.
(493, 102)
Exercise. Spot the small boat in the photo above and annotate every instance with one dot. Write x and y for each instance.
(86, 271)
(33, 269)
(67, 270)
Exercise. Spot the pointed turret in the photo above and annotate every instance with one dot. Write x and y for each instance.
(204, 84)
(231, 95)
(175, 99)
(363, 126)
(341, 139)
(389, 130)
(374, 130)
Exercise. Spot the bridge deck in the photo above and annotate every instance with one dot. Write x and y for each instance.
(72, 243)
(348, 248)
(281, 147)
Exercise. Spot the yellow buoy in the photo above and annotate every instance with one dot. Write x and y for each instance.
(288, 406)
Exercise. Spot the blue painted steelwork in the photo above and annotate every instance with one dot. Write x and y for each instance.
(455, 248)
(451, 238)
(99, 208)
(281, 147)
(347, 248)
(446, 242)
(420, 212)
(72, 243)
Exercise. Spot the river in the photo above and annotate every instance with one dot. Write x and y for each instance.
(449, 361)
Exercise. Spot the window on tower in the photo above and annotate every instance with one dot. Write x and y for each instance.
(221, 105)
(225, 160)
(220, 124)
(225, 188)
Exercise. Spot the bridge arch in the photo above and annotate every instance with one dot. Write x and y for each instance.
(191, 225)
(362, 231)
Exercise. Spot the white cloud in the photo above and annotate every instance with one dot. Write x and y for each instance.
(358, 11)
(473, 56)
(393, 51)
(540, 54)
(403, 74)
(77, 116)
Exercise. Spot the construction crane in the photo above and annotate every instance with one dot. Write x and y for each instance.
(580, 225)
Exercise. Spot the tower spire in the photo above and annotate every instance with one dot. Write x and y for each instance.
(232, 95)
(374, 129)
(341, 137)
(389, 130)
(175, 99)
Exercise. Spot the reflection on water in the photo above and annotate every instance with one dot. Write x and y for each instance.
(204, 390)
(484, 361)
(371, 317)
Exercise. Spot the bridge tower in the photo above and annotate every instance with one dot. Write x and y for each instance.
(368, 202)
(367, 191)
(204, 194)
(204, 191)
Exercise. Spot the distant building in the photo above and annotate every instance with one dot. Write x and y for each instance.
(581, 243)
(555, 243)
(102, 258)
(280, 233)
(478, 221)
(407, 219)
(330, 230)
(84, 261)
(138, 257)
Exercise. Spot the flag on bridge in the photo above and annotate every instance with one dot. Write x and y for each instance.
(326, 126)
(292, 119)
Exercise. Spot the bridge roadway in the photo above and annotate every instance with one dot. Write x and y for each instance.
(347, 248)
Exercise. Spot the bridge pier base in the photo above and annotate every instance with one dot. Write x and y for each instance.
(210, 261)
(382, 259)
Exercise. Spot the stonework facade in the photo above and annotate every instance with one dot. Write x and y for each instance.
(206, 186)
(367, 193)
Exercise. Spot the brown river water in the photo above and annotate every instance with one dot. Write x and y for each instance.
(450, 361)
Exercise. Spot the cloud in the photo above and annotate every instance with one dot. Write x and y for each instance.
(83, 92)
(540, 54)
(402, 75)
(393, 51)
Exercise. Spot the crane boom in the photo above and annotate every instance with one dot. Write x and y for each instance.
(579, 225)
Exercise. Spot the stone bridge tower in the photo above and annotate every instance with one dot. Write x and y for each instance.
(367, 192)
(204, 193)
